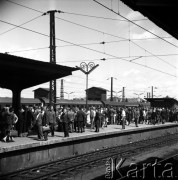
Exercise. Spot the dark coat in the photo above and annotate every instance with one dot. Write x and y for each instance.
(46, 118)
(39, 119)
(80, 116)
(52, 117)
(97, 117)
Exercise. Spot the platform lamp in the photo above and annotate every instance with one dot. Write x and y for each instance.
(87, 69)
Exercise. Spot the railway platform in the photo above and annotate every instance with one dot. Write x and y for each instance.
(27, 151)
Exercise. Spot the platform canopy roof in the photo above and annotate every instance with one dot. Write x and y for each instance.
(22, 73)
(163, 102)
(164, 13)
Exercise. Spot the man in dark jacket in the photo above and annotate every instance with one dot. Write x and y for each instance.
(52, 120)
(80, 119)
(65, 122)
(97, 120)
(45, 121)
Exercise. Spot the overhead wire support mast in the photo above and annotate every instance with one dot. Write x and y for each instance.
(52, 94)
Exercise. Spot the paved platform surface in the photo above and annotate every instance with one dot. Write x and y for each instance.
(31, 141)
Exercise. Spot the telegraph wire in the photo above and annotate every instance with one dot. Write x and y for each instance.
(136, 24)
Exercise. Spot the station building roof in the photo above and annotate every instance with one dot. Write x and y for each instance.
(163, 13)
(24, 73)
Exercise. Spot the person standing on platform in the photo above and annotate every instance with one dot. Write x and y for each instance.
(141, 116)
(144, 116)
(137, 116)
(45, 120)
(11, 120)
(75, 119)
(65, 122)
(149, 116)
(163, 116)
(97, 120)
(19, 125)
(153, 116)
(123, 118)
(29, 120)
(119, 116)
(80, 120)
(92, 117)
(71, 116)
(129, 116)
(39, 127)
(88, 122)
(52, 120)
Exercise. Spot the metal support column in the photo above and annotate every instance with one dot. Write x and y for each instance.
(52, 95)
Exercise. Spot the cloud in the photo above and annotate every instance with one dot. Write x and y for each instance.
(134, 15)
(130, 72)
(145, 34)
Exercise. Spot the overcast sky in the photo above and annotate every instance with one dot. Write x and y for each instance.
(73, 30)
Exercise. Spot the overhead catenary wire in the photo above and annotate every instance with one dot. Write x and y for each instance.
(94, 50)
(136, 24)
(96, 43)
(24, 6)
(77, 14)
(101, 31)
(105, 18)
(20, 25)
(114, 36)
(104, 59)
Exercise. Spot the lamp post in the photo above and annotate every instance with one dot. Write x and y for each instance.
(138, 95)
(68, 93)
(87, 69)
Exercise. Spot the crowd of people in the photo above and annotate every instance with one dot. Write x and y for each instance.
(46, 120)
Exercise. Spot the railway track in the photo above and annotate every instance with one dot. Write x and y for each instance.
(68, 167)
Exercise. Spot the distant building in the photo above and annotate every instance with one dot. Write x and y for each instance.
(96, 94)
(163, 102)
(41, 93)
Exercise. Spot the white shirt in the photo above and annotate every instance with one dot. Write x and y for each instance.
(123, 113)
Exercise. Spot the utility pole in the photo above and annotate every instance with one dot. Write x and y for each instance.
(111, 88)
(62, 89)
(152, 91)
(52, 86)
(123, 94)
